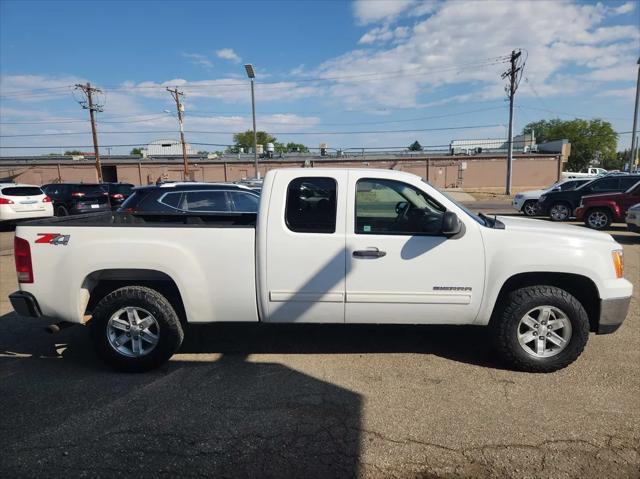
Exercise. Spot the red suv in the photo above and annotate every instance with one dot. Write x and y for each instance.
(599, 211)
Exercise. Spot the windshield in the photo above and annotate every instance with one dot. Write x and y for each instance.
(476, 217)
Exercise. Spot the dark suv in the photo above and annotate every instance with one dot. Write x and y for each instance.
(560, 205)
(179, 198)
(118, 193)
(77, 198)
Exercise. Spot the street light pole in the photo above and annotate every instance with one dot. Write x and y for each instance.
(252, 75)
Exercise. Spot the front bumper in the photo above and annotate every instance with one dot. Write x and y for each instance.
(612, 314)
(25, 304)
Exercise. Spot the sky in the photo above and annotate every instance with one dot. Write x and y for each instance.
(368, 73)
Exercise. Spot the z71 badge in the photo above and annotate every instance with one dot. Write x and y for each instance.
(53, 238)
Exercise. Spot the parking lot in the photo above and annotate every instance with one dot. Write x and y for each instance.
(317, 401)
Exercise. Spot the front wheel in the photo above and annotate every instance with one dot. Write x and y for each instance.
(540, 329)
(598, 219)
(135, 329)
(530, 208)
(560, 212)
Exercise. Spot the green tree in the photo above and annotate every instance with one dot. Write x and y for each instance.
(136, 152)
(292, 147)
(590, 139)
(415, 146)
(245, 139)
(72, 153)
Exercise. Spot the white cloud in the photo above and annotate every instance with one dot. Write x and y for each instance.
(198, 59)
(369, 11)
(627, 7)
(228, 54)
(384, 34)
(626, 93)
(446, 48)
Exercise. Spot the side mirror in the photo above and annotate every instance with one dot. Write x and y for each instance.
(451, 224)
(557, 188)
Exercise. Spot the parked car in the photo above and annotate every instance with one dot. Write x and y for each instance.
(77, 198)
(583, 174)
(118, 193)
(367, 246)
(191, 197)
(527, 201)
(560, 205)
(20, 201)
(633, 218)
(599, 211)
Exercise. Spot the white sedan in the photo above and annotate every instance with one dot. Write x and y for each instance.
(19, 202)
(633, 218)
(527, 201)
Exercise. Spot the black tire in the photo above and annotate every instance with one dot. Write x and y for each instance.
(61, 211)
(598, 218)
(530, 208)
(506, 321)
(170, 333)
(560, 211)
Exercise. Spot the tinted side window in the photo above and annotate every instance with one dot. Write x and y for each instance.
(569, 185)
(393, 207)
(206, 201)
(606, 184)
(626, 183)
(244, 202)
(171, 199)
(311, 205)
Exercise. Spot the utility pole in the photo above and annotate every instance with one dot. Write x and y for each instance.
(88, 90)
(176, 96)
(514, 74)
(634, 140)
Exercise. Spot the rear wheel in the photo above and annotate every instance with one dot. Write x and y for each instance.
(540, 329)
(530, 208)
(598, 219)
(61, 211)
(560, 212)
(135, 329)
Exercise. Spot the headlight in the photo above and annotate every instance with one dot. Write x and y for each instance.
(618, 262)
(542, 198)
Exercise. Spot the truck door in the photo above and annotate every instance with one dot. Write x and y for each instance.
(401, 269)
(305, 248)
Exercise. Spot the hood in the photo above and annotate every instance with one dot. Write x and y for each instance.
(530, 225)
(531, 194)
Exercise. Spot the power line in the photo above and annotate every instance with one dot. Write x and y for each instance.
(207, 132)
(374, 76)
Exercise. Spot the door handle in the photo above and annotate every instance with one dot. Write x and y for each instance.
(369, 253)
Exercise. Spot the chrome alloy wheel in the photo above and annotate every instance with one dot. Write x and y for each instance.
(530, 208)
(597, 220)
(559, 212)
(544, 331)
(133, 332)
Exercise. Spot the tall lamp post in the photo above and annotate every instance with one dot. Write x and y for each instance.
(252, 76)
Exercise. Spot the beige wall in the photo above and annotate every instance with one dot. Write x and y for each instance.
(476, 172)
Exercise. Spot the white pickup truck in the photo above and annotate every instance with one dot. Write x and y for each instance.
(327, 246)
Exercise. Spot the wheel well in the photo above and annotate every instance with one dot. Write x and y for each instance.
(100, 283)
(580, 287)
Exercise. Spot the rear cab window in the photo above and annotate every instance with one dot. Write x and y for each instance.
(311, 205)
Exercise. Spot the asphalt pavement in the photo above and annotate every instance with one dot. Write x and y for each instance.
(317, 401)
